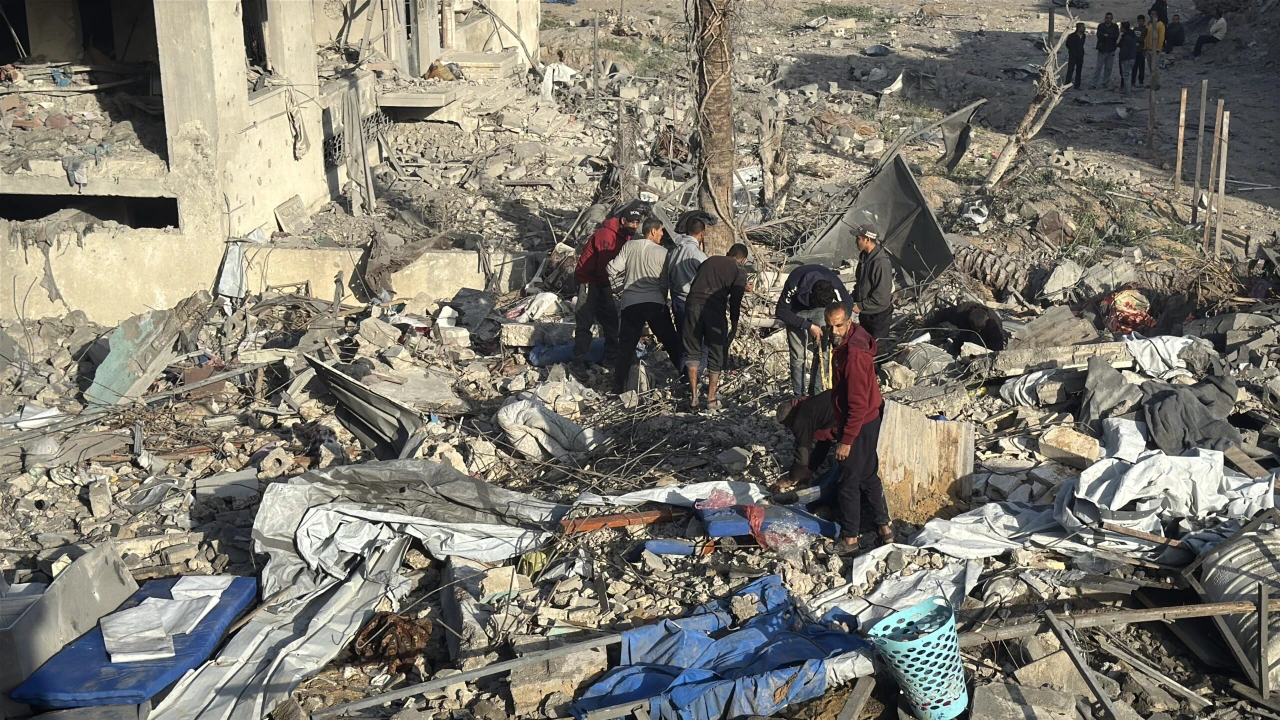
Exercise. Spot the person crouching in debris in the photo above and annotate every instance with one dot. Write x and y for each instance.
(639, 272)
(812, 422)
(595, 296)
(718, 287)
(809, 289)
(873, 290)
(855, 397)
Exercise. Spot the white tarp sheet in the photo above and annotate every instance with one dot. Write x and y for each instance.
(896, 592)
(744, 493)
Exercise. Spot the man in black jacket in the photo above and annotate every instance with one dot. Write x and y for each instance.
(873, 289)
(1108, 39)
(805, 296)
(1161, 9)
(1128, 54)
(1138, 77)
(1175, 35)
(1075, 56)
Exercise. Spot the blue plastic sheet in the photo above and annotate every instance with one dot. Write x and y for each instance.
(544, 355)
(689, 669)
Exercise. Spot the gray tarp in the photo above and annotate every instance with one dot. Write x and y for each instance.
(891, 201)
(336, 538)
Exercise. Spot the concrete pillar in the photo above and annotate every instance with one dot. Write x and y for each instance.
(54, 29)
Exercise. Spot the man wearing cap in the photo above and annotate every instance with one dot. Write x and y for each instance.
(805, 295)
(873, 289)
(595, 296)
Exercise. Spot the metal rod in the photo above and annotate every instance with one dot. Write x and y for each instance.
(1082, 665)
(1222, 184)
(1264, 654)
(1195, 189)
(1182, 135)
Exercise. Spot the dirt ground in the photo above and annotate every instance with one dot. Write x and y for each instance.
(975, 50)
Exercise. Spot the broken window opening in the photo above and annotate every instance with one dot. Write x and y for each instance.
(127, 212)
(97, 28)
(15, 40)
(254, 17)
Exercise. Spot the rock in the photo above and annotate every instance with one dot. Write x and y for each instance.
(874, 146)
(744, 607)
(1004, 484)
(630, 92)
(275, 463)
(180, 553)
(895, 561)
(1057, 227)
(1070, 447)
(1051, 475)
(377, 334)
(734, 459)
(557, 705)
(489, 709)
(1056, 671)
(1022, 494)
(100, 497)
(531, 685)
(502, 582)
(1102, 279)
(1155, 697)
(653, 562)
(1007, 701)
(896, 376)
(1063, 278)
(455, 336)
(1027, 650)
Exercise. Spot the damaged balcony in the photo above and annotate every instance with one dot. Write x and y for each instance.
(80, 107)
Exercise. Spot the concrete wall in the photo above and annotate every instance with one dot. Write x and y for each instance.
(477, 35)
(54, 29)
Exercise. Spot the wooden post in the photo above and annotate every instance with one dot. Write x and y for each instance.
(1222, 184)
(595, 53)
(1264, 656)
(1182, 134)
(1195, 189)
(448, 26)
(1151, 118)
(1213, 165)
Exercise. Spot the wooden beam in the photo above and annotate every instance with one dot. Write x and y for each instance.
(621, 520)
(857, 699)
(1182, 135)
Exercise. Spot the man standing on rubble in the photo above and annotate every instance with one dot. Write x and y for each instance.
(1138, 77)
(855, 397)
(595, 297)
(1152, 46)
(809, 289)
(1108, 39)
(873, 291)
(682, 265)
(1128, 54)
(1075, 56)
(639, 273)
(718, 287)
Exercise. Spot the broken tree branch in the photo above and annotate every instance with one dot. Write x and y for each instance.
(1049, 91)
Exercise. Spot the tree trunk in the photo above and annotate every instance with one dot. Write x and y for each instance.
(716, 159)
(1049, 92)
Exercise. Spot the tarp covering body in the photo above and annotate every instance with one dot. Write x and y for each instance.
(690, 669)
(537, 432)
(894, 204)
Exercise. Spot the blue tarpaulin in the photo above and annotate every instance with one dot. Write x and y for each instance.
(690, 670)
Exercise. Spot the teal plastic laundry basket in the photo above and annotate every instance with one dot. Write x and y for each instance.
(921, 648)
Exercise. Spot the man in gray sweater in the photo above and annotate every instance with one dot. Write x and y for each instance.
(639, 272)
(873, 291)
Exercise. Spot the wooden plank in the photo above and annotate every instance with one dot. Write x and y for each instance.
(1222, 185)
(648, 517)
(1182, 136)
(858, 697)
(921, 461)
(1140, 535)
(1244, 463)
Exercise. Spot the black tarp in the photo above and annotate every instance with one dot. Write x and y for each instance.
(893, 203)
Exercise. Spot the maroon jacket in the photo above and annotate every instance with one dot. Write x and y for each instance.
(604, 245)
(855, 392)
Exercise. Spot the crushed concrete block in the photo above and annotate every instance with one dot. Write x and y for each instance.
(502, 582)
(1155, 697)
(630, 92)
(1008, 701)
(455, 336)
(378, 334)
(653, 562)
(1056, 327)
(469, 644)
(236, 485)
(897, 376)
(1102, 279)
(275, 463)
(1005, 485)
(1063, 278)
(1051, 474)
(1056, 671)
(180, 553)
(1022, 494)
(100, 498)
(734, 459)
(532, 685)
(1070, 447)
(874, 146)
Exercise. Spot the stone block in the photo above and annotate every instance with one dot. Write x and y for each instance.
(377, 333)
(502, 582)
(734, 459)
(1070, 447)
(455, 336)
(1102, 279)
(100, 498)
(469, 644)
(532, 684)
(181, 553)
(1008, 701)
(1050, 475)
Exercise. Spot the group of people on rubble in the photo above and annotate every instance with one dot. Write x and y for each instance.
(1137, 47)
(633, 272)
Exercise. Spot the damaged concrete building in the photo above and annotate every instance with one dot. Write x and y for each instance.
(191, 123)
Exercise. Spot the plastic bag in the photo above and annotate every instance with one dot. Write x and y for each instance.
(790, 541)
(718, 500)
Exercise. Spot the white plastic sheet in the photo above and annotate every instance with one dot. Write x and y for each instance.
(537, 432)
(953, 581)
(1021, 391)
(744, 493)
(1159, 356)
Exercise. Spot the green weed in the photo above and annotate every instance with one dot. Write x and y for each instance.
(841, 12)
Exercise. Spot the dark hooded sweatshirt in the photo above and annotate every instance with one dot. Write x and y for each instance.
(855, 394)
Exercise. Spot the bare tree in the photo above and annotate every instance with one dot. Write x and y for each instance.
(717, 154)
(1049, 91)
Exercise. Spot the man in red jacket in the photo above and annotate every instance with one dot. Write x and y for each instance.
(595, 296)
(855, 396)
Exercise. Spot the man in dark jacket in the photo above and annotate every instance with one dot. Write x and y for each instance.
(1175, 35)
(1161, 10)
(1108, 39)
(873, 291)
(595, 296)
(855, 397)
(806, 294)
(1075, 56)
(1138, 77)
(812, 422)
(1128, 53)
(719, 286)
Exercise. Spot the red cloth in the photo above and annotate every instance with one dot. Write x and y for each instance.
(854, 391)
(604, 245)
(755, 518)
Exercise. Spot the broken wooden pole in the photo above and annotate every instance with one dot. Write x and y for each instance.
(1082, 664)
(1195, 189)
(857, 699)
(1138, 534)
(595, 54)
(1109, 619)
(714, 103)
(1208, 190)
(588, 524)
(1264, 655)
(1222, 184)
(1151, 117)
(1182, 135)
